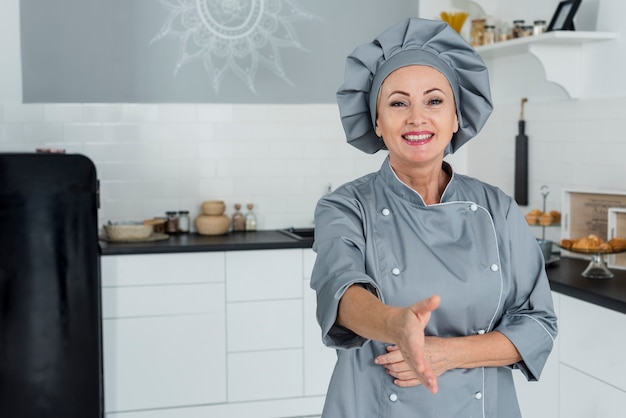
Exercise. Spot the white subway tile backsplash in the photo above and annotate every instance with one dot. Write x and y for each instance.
(29, 113)
(156, 157)
(63, 113)
(135, 113)
(101, 113)
(178, 113)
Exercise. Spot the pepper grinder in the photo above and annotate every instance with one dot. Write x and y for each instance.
(250, 218)
(239, 221)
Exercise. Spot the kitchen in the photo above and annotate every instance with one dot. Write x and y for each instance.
(163, 156)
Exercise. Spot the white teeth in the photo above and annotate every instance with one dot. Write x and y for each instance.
(417, 137)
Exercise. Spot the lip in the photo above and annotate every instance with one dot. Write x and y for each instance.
(420, 137)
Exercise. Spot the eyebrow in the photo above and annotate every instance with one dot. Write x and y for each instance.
(424, 93)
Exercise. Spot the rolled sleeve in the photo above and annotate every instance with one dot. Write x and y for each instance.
(340, 263)
(529, 321)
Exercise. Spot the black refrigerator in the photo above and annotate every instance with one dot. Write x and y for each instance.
(50, 332)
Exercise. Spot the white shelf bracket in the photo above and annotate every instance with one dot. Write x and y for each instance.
(562, 65)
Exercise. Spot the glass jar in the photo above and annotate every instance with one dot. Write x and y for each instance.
(184, 223)
(477, 31)
(239, 221)
(518, 26)
(527, 30)
(250, 218)
(171, 224)
(539, 27)
(503, 32)
(489, 36)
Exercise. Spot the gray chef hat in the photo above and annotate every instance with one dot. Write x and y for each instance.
(413, 41)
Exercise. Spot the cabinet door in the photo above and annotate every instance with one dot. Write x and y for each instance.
(151, 269)
(592, 340)
(319, 360)
(582, 396)
(264, 375)
(541, 399)
(263, 275)
(158, 362)
(164, 346)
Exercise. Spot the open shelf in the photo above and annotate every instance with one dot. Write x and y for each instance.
(559, 52)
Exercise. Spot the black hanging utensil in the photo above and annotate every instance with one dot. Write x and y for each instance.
(521, 160)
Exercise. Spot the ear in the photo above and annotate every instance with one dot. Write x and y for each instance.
(377, 131)
(456, 124)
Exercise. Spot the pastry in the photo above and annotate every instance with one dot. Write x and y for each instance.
(556, 216)
(532, 217)
(588, 243)
(567, 243)
(618, 244)
(546, 219)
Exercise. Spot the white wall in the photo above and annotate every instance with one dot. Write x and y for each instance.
(574, 144)
(152, 158)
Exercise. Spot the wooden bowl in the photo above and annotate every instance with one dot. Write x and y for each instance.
(128, 232)
(213, 207)
(212, 224)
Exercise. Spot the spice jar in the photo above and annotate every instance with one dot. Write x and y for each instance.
(539, 27)
(250, 218)
(171, 224)
(527, 30)
(184, 223)
(518, 26)
(239, 221)
(489, 36)
(477, 31)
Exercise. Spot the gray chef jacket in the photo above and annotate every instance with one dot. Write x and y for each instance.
(474, 249)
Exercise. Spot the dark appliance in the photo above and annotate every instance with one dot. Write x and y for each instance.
(50, 332)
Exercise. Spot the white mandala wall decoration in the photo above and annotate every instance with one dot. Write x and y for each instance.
(237, 36)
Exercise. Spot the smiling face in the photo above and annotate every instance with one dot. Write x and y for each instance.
(416, 116)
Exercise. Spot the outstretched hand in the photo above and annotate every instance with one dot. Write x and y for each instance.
(412, 367)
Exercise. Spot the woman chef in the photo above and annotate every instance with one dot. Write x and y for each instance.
(429, 283)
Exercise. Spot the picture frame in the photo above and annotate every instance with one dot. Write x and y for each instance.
(617, 228)
(586, 212)
(563, 18)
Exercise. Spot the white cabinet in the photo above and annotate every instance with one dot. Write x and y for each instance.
(319, 360)
(593, 370)
(264, 317)
(219, 334)
(540, 399)
(163, 330)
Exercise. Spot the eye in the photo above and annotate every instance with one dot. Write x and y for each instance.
(435, 101)
(397, 103)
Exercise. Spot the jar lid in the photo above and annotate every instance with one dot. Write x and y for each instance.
(519, 21)
(170, 212)
(183, 212)
(540, 22)
(490, 26)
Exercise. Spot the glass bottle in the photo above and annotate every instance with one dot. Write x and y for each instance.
(250, 218)
(539, 27)
(477, 31)
(518, 26)
(489, 36)
(184, 222)
(171, 225)
(239, 221)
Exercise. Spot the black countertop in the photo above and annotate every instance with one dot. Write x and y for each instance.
(565, 277)
(187, 243)
(565, 274)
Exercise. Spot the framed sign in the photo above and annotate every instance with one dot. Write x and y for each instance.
(563, 18)
(587, 212)
(617, 228)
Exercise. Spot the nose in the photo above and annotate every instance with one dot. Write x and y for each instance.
(416, 115)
